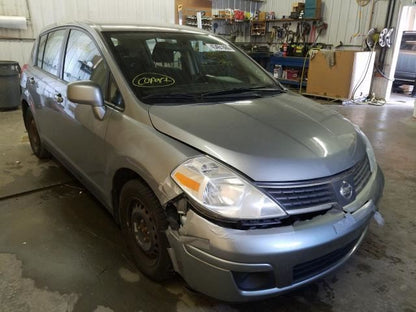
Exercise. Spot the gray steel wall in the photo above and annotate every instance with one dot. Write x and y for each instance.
(345, 19)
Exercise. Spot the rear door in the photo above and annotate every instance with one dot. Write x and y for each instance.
(42, 80)
(33, 74)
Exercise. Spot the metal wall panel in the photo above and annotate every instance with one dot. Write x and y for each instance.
(15, 50)
(45, 12)
(344, 18)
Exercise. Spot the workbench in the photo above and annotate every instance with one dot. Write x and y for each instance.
(288, 62)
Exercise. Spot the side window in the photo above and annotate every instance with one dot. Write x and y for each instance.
(41, 50)
(53, 51)
(83, 61)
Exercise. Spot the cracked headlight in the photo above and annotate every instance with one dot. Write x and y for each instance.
(219, 190)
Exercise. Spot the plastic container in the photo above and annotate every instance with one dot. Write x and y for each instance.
(9, 84)
(278, 71)
(310, 13)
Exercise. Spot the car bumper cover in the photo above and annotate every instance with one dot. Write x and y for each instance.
(242, 265)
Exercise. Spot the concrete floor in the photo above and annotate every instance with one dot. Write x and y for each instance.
(61, 251)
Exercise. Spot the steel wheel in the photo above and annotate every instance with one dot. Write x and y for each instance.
(143, 222)
(143, 229)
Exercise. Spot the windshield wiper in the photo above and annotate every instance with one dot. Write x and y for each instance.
(235, 93)
(241, 92)
(169, 98)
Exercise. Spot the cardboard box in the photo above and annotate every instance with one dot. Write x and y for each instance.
(298, 6)
(352, 73)
(262, 16)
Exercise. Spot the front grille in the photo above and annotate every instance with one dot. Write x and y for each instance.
(361, 173)
(297, 197)
(317, 195)
(313, 267)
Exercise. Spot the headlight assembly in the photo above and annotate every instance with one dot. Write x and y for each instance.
(369, 149)
(222, 192)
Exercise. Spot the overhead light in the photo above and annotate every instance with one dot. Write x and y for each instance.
(13, 22)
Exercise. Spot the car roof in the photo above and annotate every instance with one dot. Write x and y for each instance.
(112, 26)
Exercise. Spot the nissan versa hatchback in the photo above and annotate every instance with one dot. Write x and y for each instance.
(211, 168)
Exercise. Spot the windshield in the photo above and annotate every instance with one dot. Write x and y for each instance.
(183, 67)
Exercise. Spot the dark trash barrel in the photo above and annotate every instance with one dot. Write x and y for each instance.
(9, 84)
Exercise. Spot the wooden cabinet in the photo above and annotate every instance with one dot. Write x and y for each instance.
(348, 78)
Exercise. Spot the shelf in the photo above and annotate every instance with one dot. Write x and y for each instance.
(191, 20)
(229, 19)
(281, 20)
(293, 61)
(195, 18)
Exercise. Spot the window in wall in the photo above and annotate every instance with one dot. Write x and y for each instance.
(83, 61)
(53, 51)
(41, 49)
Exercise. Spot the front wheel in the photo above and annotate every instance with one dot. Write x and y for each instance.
(35, 142)
(144, 223)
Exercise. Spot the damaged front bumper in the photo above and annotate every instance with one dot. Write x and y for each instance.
(240, 265)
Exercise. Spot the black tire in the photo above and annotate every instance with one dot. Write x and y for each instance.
(143, 222)
(35, 142)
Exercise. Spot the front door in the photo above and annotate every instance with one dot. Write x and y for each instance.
(81, 134)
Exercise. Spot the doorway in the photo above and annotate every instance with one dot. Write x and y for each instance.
(404, 56)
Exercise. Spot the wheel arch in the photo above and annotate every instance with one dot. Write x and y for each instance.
(120, 178)
(25, 107)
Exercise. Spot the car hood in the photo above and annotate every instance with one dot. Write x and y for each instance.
(285, 137)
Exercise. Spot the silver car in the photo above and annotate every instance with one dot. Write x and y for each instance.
(212, 169)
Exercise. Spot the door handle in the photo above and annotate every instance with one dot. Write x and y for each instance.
(59, 98)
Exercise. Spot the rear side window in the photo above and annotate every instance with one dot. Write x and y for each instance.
(83, 61)
(52, 52)
(41, 50)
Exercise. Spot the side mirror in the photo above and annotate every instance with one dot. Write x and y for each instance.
(89, 93)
